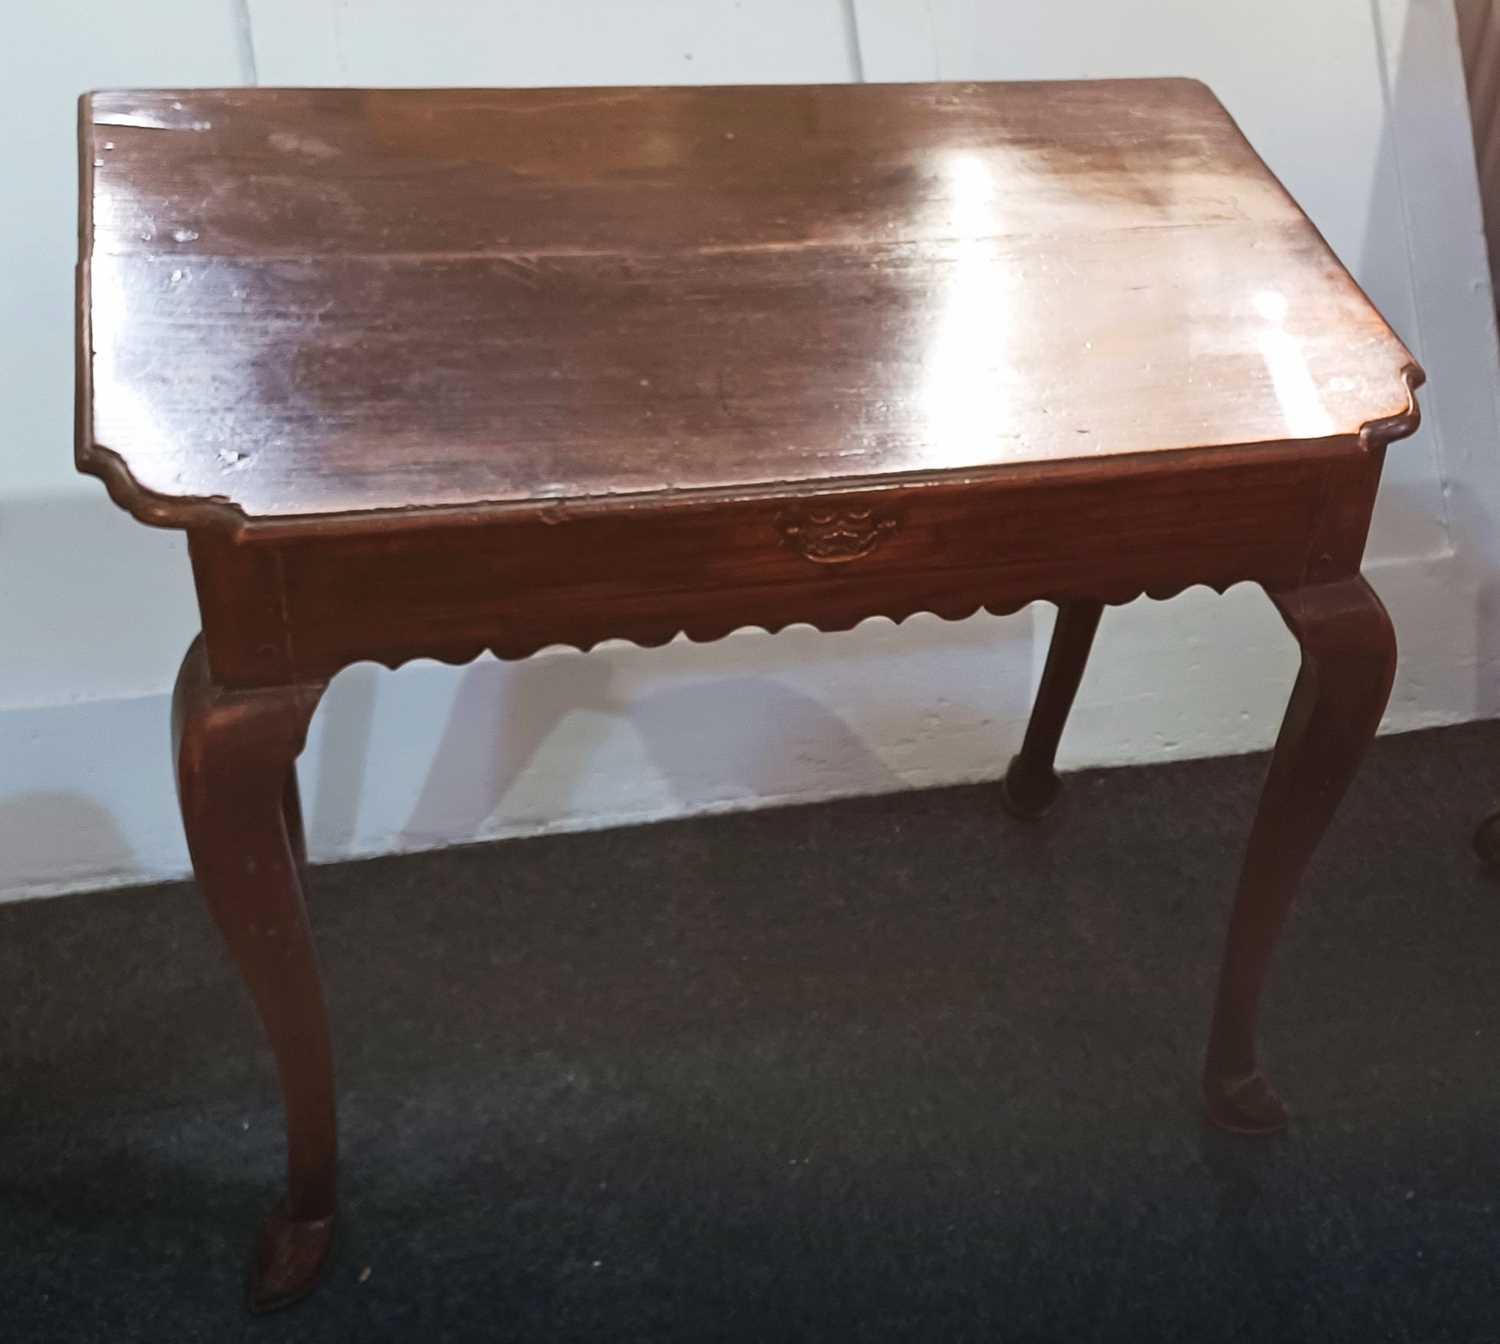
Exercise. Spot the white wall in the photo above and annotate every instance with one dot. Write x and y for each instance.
(1357, 103)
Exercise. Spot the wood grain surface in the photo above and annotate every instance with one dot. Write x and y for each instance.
(306, 303)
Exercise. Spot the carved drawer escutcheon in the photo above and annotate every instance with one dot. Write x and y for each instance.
(833, 535)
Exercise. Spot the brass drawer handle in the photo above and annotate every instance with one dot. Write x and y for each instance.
(832, 536)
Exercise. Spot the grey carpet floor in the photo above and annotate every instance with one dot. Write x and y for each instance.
(894, 1068)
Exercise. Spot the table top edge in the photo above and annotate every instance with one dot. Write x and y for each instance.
(222, 515)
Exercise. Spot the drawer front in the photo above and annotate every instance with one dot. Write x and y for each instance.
(830, 559)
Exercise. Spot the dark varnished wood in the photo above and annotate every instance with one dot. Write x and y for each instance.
(1031, 786)
(302, 608)
(336, 172)
(235, 754)
(1348, 664)
(425, 373)
(487, 301)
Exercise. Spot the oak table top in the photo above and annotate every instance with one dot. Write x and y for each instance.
(304, 303)
(435, 372)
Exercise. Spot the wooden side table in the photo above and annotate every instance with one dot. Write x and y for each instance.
(425, 373)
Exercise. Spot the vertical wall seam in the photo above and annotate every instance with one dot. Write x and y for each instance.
(244, 34)
(1387, 101)
(851, 40)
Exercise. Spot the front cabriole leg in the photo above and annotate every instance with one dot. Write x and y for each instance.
(235, 752)
(1348, 664)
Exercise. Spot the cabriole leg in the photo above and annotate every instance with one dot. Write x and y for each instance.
(234, 753)
(1348, 664)
(1031, 784)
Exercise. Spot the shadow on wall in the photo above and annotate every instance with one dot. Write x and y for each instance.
(1410, 514)
(500, 719)
(623, 734)
(347, 716)
(1467, 513)
(712, 742)
(51, 838)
